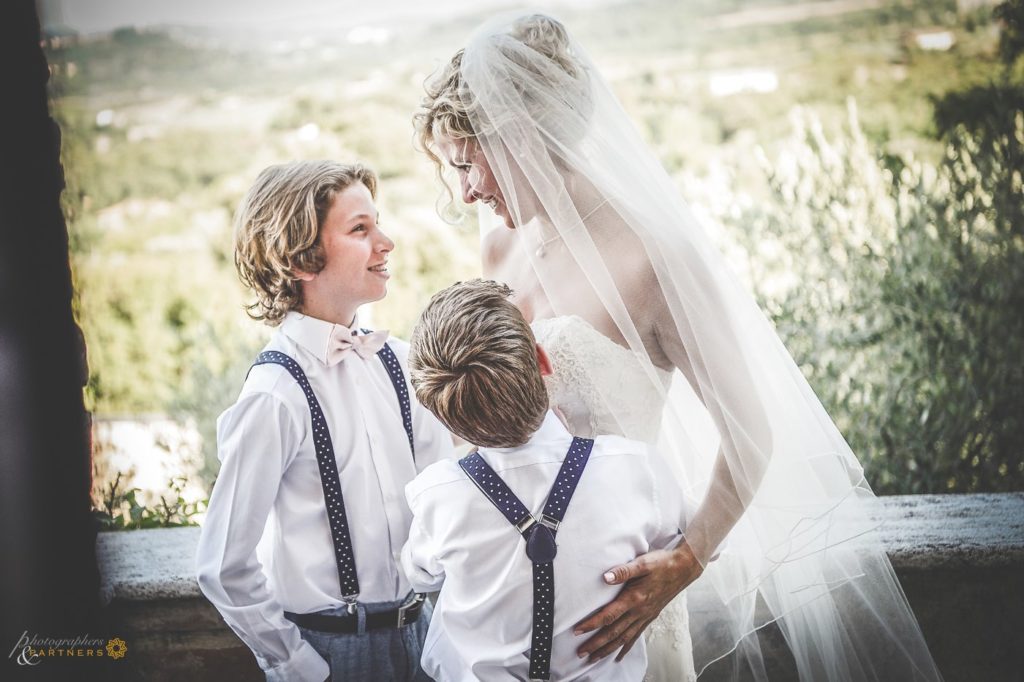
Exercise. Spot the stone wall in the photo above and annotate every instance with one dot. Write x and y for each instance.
(960, 559)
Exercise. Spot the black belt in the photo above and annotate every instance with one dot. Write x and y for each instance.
(407, 614)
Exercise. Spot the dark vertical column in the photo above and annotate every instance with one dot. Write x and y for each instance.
(48, 576)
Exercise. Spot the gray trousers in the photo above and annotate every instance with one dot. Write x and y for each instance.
(384, 655)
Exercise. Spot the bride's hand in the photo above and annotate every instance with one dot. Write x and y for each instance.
(651, 581)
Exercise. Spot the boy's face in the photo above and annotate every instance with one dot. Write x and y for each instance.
(355, 259)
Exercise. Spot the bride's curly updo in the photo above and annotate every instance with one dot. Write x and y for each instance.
(531, 56)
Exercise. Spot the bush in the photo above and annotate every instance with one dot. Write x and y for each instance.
(115, 508)
(898, 287)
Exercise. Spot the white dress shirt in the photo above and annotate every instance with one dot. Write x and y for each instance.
(265, 546)
(627, 503)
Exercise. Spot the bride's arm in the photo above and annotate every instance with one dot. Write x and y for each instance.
(731, 400)
(654, 579)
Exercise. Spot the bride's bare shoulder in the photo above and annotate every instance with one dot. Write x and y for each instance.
(496, 249)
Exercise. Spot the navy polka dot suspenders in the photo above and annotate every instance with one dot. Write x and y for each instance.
(387, 356)
(336, 515)
(539, 536)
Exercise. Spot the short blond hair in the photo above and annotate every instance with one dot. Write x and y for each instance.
(277, 229)
(473, 363)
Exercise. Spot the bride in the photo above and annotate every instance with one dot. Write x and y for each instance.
(651, 337)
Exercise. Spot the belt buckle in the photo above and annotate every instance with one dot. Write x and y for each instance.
(408, 606)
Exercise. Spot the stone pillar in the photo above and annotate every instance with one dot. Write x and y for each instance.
(48, 574)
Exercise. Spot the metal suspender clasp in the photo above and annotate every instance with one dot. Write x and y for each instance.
(350, 602)
(526, 523)
(549, 521)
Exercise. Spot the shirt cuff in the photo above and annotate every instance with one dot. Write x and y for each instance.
(304, 665)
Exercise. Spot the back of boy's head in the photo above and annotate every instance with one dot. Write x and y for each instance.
(473, 363)
(277, 229)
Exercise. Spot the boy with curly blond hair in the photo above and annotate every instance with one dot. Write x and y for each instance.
(298, 549)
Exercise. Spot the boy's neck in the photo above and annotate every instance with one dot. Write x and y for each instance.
(344, 316)
(550, 413)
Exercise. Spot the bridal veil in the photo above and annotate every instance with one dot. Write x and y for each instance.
(577, 177)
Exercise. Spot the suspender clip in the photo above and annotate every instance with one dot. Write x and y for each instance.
(549, 521)
(350, 602)
(526, 523)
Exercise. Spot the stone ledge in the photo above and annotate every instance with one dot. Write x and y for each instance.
(960, 559)
(929, 532)
(143, 565)
(919, 532)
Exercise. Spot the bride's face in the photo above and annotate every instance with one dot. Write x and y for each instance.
(476, 179)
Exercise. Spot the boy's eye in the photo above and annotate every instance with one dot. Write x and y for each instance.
(359, 228)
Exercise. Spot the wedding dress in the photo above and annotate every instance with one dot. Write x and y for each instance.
(588, 371)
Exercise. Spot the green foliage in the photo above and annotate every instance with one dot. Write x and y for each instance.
(1011, 38)
(214, 386)
(118, 509)
(955, 291)
(979, 108)
(900, 296)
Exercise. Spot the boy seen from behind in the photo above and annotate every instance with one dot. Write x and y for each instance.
(517, 534)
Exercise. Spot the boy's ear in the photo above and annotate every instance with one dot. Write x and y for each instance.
(543, 361)
(303, 275)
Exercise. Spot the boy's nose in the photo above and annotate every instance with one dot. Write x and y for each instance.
(385, 244)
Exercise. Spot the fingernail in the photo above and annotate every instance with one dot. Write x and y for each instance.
(578, 631)
(584, 654)
(608, 577)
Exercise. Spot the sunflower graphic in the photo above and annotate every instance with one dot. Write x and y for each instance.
(116, 648)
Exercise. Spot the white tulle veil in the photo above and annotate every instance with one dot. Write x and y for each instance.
(605, 234)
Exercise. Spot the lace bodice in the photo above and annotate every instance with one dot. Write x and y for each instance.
(598, 386)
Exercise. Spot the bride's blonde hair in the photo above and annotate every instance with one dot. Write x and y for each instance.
(473, 363)
(449, 108)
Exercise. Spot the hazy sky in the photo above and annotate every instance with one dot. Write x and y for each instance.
(91, 16)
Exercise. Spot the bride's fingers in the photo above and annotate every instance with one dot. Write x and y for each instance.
(629, 599)
(603, 618)
(625, 572)
(606, 641)
(623, 633)
(631, 636)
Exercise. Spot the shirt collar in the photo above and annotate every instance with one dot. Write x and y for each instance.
(551, 429)
(313, 334)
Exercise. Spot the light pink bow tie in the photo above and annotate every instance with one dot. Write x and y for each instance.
(344, 341)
